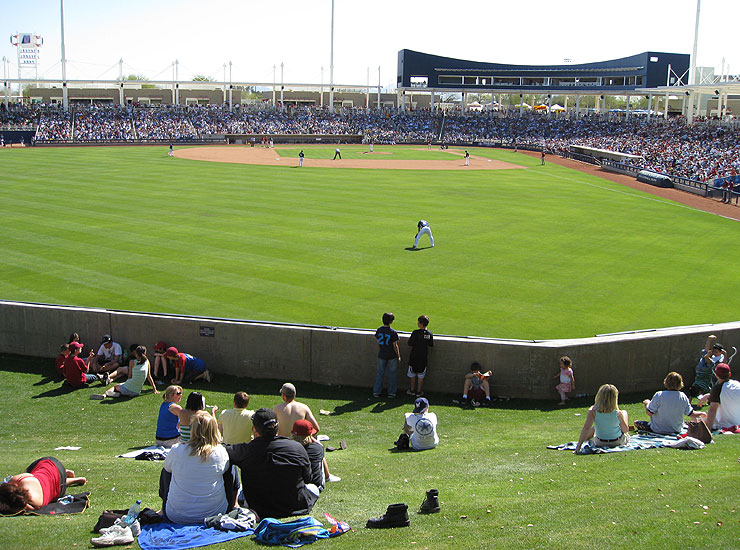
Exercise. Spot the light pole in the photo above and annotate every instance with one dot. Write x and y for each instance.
(694, 76)
(331, 63)
(65, 97)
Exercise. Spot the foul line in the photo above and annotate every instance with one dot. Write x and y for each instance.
(668, 202)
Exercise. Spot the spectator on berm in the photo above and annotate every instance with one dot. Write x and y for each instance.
(667, 408)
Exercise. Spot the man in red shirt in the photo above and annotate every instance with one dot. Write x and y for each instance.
(76, 369)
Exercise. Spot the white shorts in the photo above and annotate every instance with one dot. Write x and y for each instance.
(411, 373)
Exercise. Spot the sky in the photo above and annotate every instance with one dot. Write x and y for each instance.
(255, 36)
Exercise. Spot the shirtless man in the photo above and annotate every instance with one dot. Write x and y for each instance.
(291, 410)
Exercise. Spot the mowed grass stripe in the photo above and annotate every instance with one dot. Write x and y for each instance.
(518, 250)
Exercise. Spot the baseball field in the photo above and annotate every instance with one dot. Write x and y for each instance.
(522, 250)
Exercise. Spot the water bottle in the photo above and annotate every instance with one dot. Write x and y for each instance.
(581, 395)
(66, 500)
(133, 513)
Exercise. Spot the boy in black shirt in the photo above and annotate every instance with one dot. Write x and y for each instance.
(389, 356)
(420, 341)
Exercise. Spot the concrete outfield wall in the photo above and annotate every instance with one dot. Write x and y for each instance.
(635, 362)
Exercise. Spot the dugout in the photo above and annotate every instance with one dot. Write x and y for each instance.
(16, 136)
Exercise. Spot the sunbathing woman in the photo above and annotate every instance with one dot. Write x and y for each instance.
(44, 482)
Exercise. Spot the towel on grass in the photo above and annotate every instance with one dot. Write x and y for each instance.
(153, 449)
(636, 442)
(172, 536)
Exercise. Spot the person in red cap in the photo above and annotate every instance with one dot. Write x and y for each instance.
(724, 400)
(187, 367)
(76, 369)
(160, 363)
(303, 432)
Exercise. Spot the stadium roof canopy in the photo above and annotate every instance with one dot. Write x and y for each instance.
(419, 71)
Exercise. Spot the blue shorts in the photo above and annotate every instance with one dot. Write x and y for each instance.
(195, 365)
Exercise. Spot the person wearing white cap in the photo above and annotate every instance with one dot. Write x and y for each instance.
(290, 411)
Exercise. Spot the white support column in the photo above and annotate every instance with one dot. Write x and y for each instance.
(231, 90)
(578, 106)
(683, 107)
(629, 107)
(650, 106)
(431, 101)
(282, 86)
(521, 105)
(367, 94)
(464, 99)
(120, 82)
(5, 82)
(549, 105)
(665, 110)
(321, 90)
(177, 81)
(379, 88)
(274, 92)
(566, 107)
(690, 113)
(694, 79)
(723, 98)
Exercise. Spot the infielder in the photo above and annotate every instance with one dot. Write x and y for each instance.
(300, 158)
(423, 229)
(467, 158)
(337, 153)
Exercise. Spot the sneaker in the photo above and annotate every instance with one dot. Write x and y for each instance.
(116, 535)
(419, 393)
(207, 376)
(135, 527)
(97, 397)
(411, 393)
(376, 395)
(391, 396)
(397, 515)
(106, 379)
(333, 479)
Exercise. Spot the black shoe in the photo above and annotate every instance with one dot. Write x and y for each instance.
(431, 502)
(397, 515)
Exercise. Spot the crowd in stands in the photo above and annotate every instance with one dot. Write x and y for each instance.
(701, 151)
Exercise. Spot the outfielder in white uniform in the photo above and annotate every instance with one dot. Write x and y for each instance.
(423, 229)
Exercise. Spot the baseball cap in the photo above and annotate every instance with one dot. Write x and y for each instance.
(171, 351)
(288, 389)
(75, 345)
(106, 339)
(303, 428)
(160, 346)
(721, 371)
(421, 404)
(265, 419)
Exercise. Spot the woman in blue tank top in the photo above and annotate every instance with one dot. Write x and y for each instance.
(606, 425)
(168, 431)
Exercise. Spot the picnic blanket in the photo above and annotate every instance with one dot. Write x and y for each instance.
(152, 450)
(80, 503)
(297, 532)
(172, 536)
(643, 440)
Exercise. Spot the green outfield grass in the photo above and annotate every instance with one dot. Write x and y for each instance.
(499, 486)
(544, 252)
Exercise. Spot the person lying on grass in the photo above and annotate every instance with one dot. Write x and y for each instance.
(45, 481)
(606, 425)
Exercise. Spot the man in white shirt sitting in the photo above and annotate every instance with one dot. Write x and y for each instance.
(419, 428)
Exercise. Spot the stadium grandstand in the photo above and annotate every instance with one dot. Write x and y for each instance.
(701, 148)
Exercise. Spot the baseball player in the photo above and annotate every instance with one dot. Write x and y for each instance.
(467, 158)
(300, 158)
(423, 229)
(337, 153)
